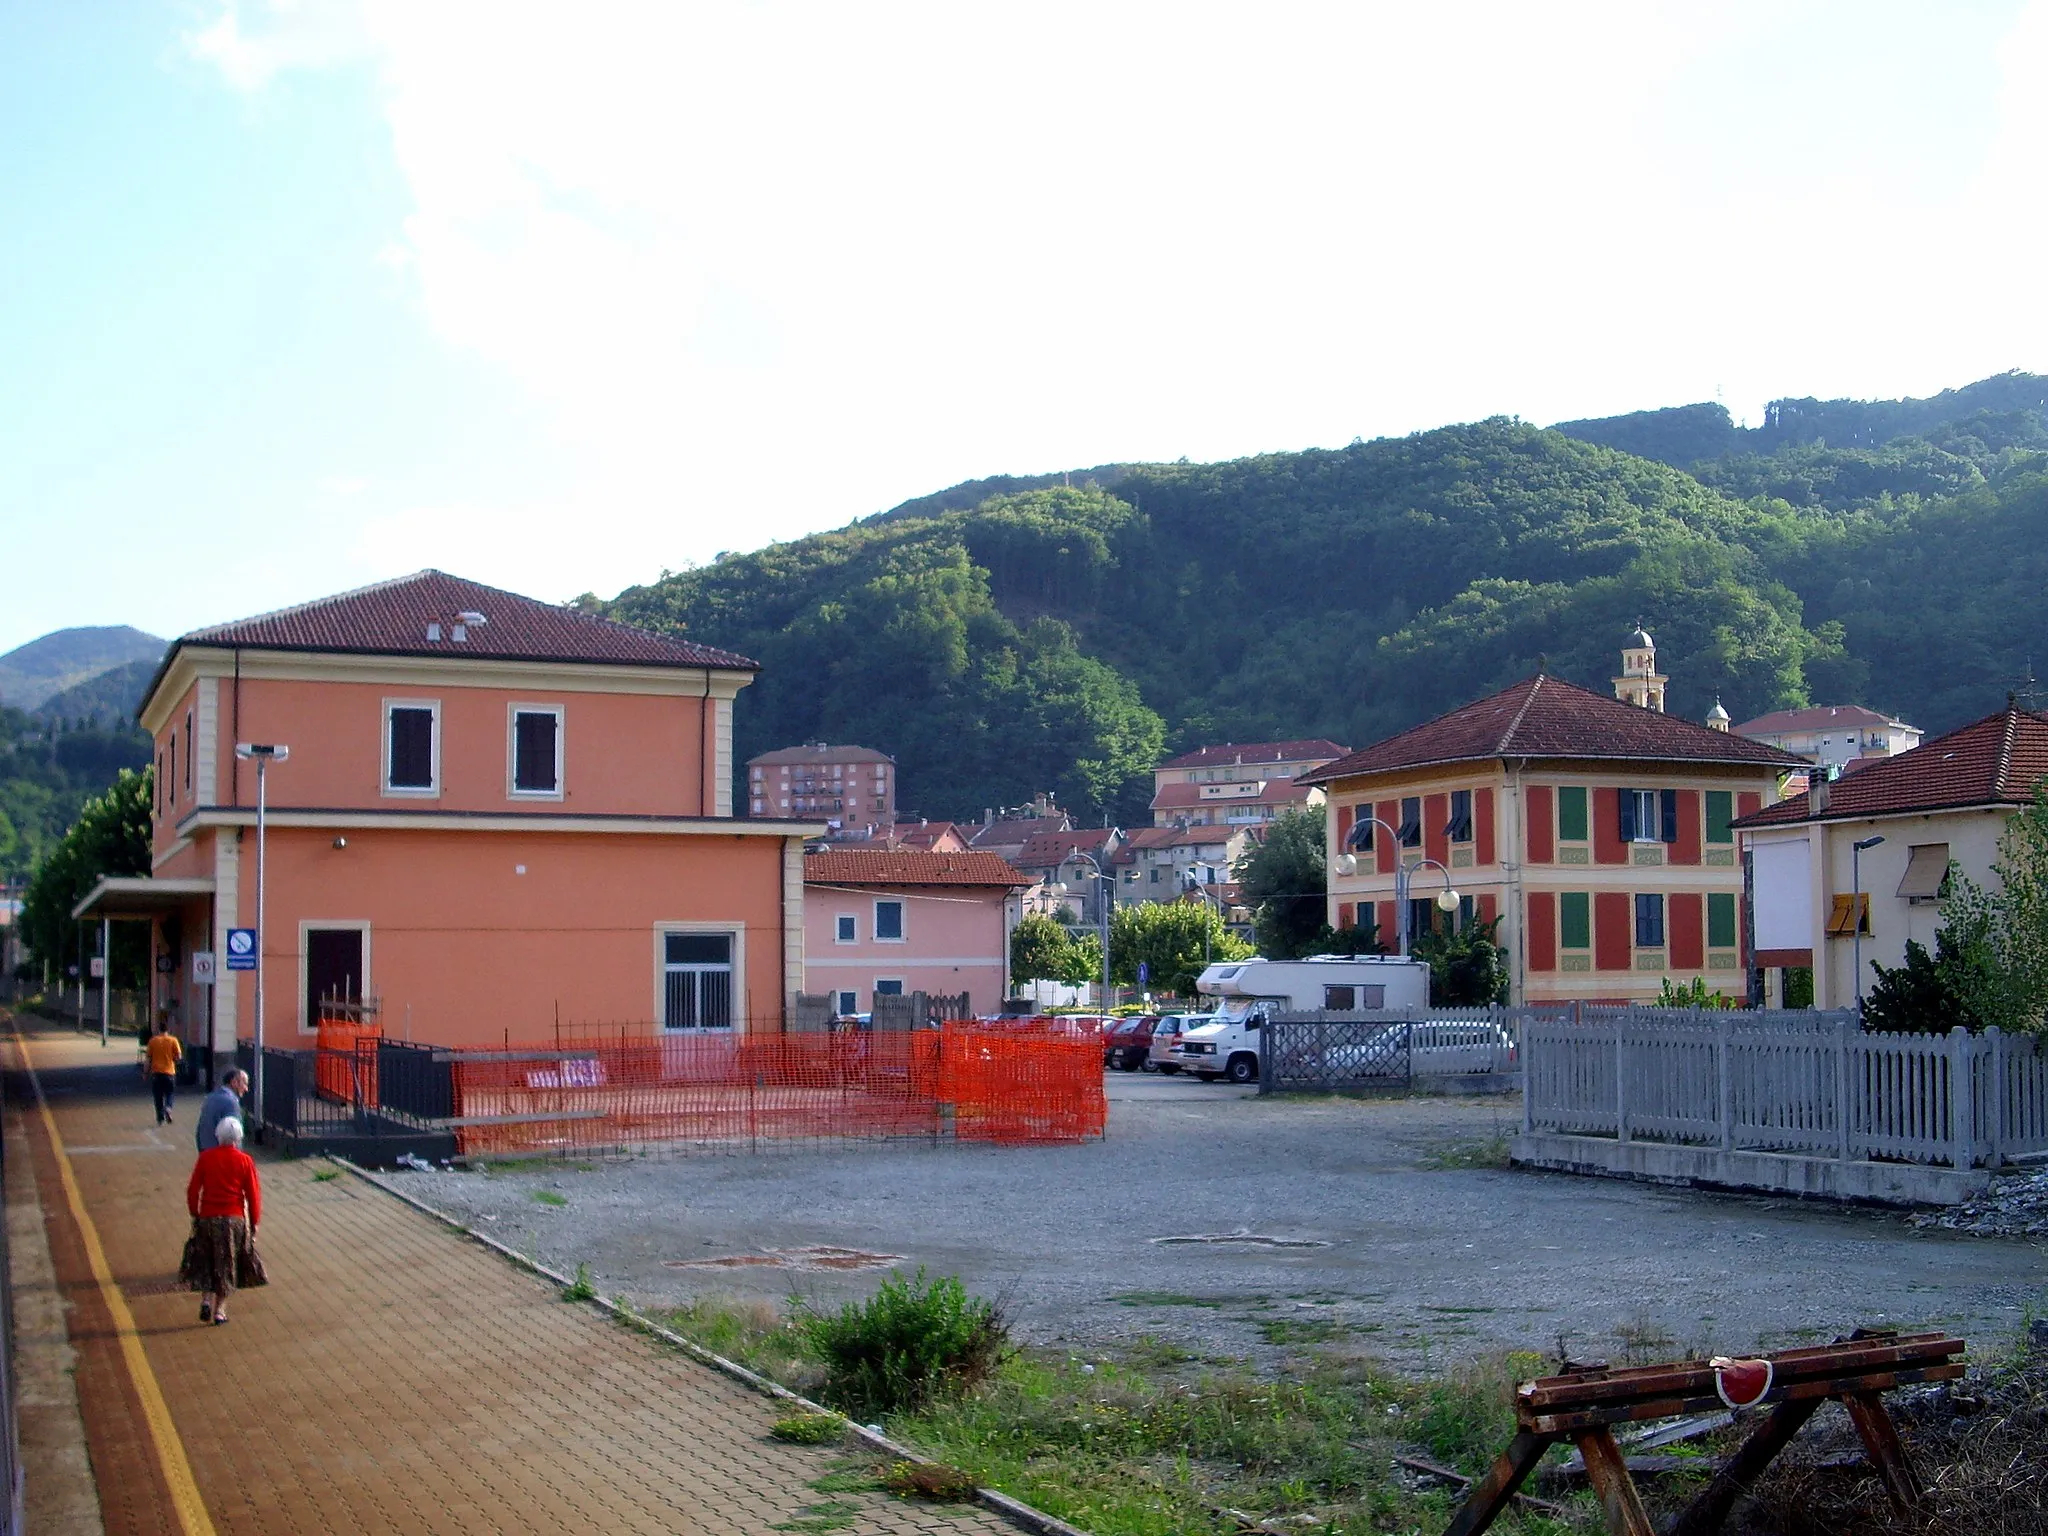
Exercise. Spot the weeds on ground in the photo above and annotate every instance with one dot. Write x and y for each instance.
(913, 1342)
(1484, 1152)
(1159, 1443)
(580, 1288)
(809, 1428)
(326, 1175)
(549, 1197)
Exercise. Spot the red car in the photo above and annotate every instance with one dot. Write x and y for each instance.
(1127, 1044)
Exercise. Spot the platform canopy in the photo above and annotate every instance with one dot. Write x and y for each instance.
(128, 897)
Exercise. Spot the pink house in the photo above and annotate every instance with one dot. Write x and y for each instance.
(496, 813)
(908, 920)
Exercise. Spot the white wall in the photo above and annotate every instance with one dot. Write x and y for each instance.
(1784, 892)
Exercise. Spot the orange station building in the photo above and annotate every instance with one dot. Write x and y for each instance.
(497, 815)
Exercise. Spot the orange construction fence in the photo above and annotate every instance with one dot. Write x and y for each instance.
(959, 1082)
(340, 1071)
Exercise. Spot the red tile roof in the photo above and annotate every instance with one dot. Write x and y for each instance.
(391, 618)
(1312, 750)
(1007, 834)
(1822, 717)
(909, 866)
(818, 752)
(1994, 761)
(1547, 717)
(1048, 850)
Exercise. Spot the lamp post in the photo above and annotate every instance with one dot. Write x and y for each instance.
(264, 755)
(1856, 910)
(1102, 892)
(1446, 899)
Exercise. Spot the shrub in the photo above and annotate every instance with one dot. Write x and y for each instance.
(911, 1342)
(928, 1480)
(809, 1428)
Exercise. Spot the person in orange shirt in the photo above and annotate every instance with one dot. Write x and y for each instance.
(226, 1202)
(164, 1055)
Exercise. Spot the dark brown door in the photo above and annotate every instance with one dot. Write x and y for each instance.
(334, 968)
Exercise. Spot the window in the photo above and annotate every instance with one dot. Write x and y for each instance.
(697, 981)
(1720, 920)
(1468, 912)
(1340, 999)
(1926, 872)
(1459, 828)
(1411, 822)
(1575, 919)
(1421, 916)
(1649, 815)
(1850, 914)
(537, 750)
(846, 930)
(849, 1004)
(171, 773)
(1571, 813)
(188, 751)
(412, 749)
(888, 988)
(889, 921)
(1720, 811)
(1649, 922)
(1155, 876)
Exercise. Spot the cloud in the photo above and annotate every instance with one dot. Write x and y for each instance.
(764, 266)
(287, 35)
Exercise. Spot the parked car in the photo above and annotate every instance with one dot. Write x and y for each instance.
(1128, 1045)
(1166, 1034)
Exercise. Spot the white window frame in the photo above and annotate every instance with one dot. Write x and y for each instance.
(846, 1001)
(411, 791)
(740, 1013)
(512, 714)
(902, 920)
(306, 926)
(1649, 829)
(902, 987)
(845, 928)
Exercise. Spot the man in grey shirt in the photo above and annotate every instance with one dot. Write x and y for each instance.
(224, 1101)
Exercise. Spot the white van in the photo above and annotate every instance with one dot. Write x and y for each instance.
(1251, 990)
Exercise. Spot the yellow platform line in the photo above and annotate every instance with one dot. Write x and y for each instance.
(163, 1434)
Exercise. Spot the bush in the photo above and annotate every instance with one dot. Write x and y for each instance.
(809, 1428)
(913, 1341)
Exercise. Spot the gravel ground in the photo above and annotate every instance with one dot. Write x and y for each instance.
(1233, 1225)
(2015, 1205)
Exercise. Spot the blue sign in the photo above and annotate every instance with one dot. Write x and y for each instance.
(1144, 972)
(241, 949)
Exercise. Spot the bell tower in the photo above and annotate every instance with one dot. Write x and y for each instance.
(1640, 682)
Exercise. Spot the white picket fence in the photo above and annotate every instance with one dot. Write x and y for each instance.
(1813, 1085)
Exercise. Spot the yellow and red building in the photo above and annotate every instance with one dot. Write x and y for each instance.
(1598, 831)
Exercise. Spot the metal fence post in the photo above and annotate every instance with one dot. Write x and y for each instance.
(1724, 1034)
(1844, 1111)
(1620, 1079)
(1961, 1122)
(1523, 1051)
(1994, 1096)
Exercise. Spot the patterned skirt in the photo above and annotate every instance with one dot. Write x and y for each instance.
(220, 1256)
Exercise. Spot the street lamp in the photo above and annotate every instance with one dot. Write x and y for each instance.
(264, 755)
(1446, 899)
(1103, 893)
(1856, 911)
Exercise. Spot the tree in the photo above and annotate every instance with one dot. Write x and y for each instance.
(1991, 952)
(1041, 950)
(110, 837)
(1932, 994)
(1467, 967)
(1173, 940)
(1283, 881)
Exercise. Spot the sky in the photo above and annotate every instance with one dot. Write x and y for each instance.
(301, 294)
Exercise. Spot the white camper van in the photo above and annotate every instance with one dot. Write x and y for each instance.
(1249, 990)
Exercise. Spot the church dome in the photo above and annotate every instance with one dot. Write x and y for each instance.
(1641, 641)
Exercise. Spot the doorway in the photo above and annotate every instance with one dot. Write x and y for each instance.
(334, 969)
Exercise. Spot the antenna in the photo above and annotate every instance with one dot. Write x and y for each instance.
(2026, 689)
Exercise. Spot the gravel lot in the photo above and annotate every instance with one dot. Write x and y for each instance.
(1346, 1224)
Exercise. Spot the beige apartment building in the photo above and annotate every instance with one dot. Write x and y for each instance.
(851, 789)
(1238, 784)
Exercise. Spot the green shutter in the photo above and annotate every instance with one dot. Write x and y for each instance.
(1720, 811)
(1575, 917)
(1571, 813)
(1720, 916)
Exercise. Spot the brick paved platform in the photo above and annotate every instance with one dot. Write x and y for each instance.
(394, 1377)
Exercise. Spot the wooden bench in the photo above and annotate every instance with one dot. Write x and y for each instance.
(1585, 1403)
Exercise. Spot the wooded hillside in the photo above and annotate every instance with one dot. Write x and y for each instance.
(1058, 636)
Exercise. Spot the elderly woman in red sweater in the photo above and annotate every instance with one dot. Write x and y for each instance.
(226, 1203)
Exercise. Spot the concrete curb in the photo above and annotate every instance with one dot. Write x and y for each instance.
(1014, 1510)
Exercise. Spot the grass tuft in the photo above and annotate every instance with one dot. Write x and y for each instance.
(809, 1428)
(580, 1288)
(549, 1197)
(913, 1342)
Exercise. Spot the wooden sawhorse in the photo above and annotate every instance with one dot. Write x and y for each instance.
(1584, 1405)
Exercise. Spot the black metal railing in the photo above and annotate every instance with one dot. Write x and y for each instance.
(1312, 1055)
(414, 1082)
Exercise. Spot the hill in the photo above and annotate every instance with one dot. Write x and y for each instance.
(1059, 633)
(31, 673)
(111, 698)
